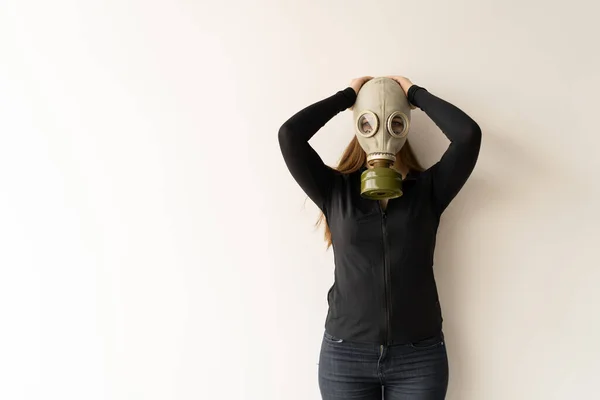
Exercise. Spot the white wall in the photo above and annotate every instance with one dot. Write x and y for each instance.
(154, 246)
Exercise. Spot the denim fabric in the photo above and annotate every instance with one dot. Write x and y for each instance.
(361, 371)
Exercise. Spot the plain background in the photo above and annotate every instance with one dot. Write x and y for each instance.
(154, 245)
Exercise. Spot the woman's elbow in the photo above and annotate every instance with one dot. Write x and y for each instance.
(285, 136)
(473, 135)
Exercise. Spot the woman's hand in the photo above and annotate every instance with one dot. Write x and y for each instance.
(404, 83)
(357, 83)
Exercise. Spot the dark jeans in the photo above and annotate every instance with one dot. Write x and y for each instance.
(359, 371)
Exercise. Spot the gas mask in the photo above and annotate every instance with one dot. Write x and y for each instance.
(381, 120)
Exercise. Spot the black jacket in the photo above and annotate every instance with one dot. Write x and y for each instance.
(384, 290)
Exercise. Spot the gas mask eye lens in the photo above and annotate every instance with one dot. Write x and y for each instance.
(398, 125)
(366, 124)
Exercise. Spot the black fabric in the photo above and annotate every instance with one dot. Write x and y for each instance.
(384, 290)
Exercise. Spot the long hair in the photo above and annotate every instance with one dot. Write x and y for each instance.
(354, 158)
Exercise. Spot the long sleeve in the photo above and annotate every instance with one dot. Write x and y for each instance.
(303, 162)
(454, 168)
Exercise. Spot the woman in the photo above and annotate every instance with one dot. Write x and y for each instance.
(383, 333)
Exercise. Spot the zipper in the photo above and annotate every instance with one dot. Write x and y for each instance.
(386, 275)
